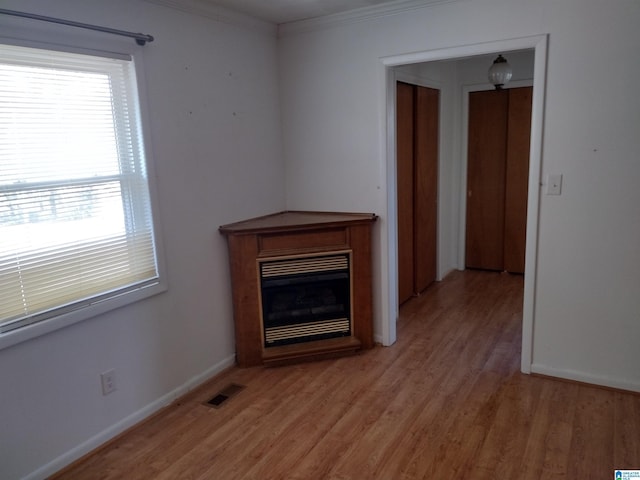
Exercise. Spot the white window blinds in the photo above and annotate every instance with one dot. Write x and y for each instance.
(75, 214)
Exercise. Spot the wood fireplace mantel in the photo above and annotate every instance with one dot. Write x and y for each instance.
(291, 234)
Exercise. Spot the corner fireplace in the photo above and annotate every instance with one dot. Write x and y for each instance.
(305, 298)
(301, 285)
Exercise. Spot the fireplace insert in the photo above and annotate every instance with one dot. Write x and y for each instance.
(306, 298)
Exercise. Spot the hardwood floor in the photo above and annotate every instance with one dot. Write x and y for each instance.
(447, 401)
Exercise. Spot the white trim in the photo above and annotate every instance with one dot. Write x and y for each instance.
(533, 205)
(578, 376)
(388, 256)
(462, 51)
(219, 14)
(61, 47)
(114, 430)
(413, 79)
(354, 16)
(389, 229)
(44, 327)
(150, 165)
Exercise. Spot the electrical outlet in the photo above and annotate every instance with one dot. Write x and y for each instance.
(108, 380)
(554, 184)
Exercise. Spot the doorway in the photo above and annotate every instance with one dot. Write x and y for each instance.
(447, 259)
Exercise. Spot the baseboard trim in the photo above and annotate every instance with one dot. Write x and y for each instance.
(110, 433)
(581, 377)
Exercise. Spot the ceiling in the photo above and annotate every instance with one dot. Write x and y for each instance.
(283, 11)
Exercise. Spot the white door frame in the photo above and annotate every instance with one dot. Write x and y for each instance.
(388, 240)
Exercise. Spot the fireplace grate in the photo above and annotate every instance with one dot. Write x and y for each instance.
(305, 299)
(340, 326)
(304, 266)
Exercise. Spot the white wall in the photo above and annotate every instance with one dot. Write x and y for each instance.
(586, 307)
(212, 91)
(214, 126)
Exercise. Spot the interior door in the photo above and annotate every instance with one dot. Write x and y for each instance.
(404, 174)
(417, 110)
(517, 178)
(426, 186)
(486, 167)
(497, 179)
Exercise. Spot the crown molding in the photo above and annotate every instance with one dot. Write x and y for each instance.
(357, 15)
(218, 14)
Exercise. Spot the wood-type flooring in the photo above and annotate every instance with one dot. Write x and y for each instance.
(447, 401)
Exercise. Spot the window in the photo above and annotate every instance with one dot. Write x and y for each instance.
(76, 227)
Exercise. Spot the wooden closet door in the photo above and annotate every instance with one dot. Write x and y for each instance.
(417, 187)
(404, 167)
(517, 178)
(486, 158)
(427, 102)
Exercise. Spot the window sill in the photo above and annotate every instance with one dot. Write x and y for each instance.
(29, 332)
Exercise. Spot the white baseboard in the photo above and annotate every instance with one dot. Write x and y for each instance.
(128, 422)
(602, 381)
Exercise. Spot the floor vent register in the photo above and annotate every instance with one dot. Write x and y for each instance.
(225, 394)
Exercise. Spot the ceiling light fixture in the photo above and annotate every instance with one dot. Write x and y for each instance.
(500, 72)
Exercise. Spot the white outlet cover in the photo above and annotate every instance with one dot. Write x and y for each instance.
(554, 184)
(108, 381)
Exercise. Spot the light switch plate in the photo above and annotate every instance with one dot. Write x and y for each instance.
(554, 184)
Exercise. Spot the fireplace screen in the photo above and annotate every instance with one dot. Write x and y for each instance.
(305, 299)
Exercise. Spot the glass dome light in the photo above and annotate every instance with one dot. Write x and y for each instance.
(500, 72)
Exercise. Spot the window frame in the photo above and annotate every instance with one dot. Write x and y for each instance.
(107, 301)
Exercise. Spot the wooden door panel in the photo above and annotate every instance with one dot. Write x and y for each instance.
(486, 179)
(517, 178)
(426, 186)
(404, 160)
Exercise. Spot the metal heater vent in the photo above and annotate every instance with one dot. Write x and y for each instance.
(304, 265)
(225, 394)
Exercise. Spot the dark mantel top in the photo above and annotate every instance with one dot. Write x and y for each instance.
(295, 220)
